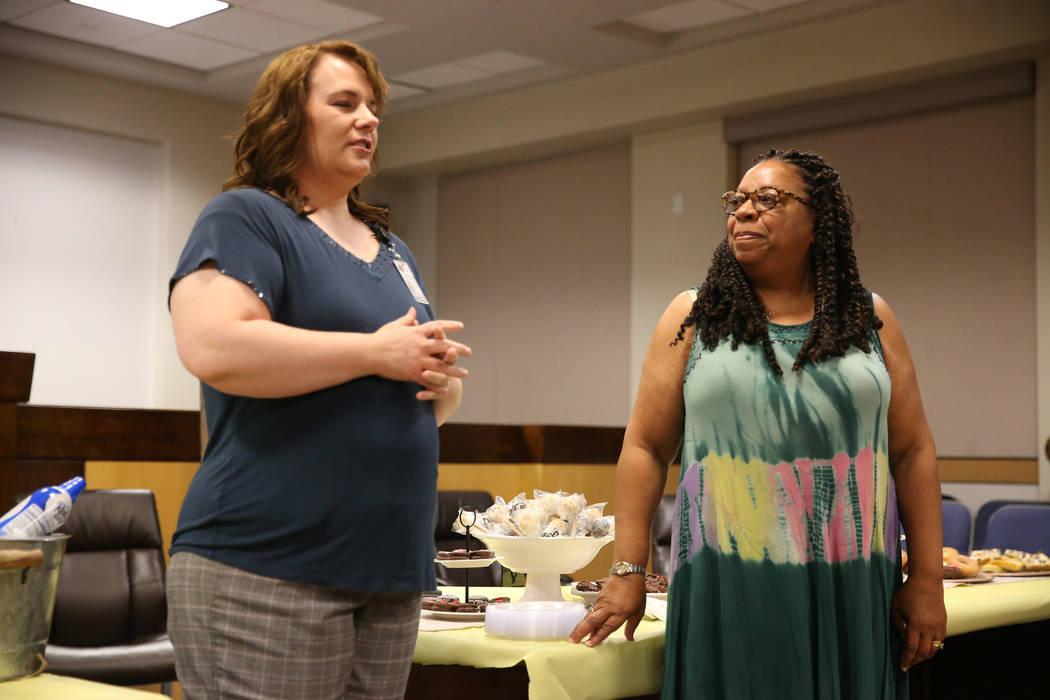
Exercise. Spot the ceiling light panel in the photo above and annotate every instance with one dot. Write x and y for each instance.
(188, 51)
(442, 75)
(400, 92)
(686, 15)
(164, 13)
(247, 29)
(9, 9)
(330, 18)
(84, 24)
(765, 5)
(500, 62)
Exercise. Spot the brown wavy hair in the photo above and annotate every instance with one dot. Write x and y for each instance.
(727, 305)
(269, 145)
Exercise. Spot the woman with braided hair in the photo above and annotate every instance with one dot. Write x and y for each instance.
(775, 378)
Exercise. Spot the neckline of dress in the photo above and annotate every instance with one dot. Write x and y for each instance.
(789, 332)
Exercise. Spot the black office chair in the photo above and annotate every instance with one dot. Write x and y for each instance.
(660, 544)
(956, 525)
(980, 524)
(110, 620)
(448, 505)
(1023, 527)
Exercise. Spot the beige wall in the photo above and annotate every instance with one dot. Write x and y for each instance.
(672, 108)
(675, 222)
(190, 130)
(1042, 266)
(892, 44)
(534, 259)
(669, 110)
(946, 234)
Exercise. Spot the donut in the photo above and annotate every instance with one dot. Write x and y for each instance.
(968, 566)
(958, 565)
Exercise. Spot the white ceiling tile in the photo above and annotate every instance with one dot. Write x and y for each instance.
(85, 24)
(400, 92)
(442, 75)
(500, 62)
(315, 13)
(189, 51)
(686, 15)
(9, 9)
(250, 30)
(764, 5)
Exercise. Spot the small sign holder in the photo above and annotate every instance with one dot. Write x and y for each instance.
(466, 572)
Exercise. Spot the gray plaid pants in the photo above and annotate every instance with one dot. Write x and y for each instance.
(238, 635)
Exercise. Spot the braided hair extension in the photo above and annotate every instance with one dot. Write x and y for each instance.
(728, 306)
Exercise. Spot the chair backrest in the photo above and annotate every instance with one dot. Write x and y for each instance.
(980, 522)
(660, 545)
(448, 505)
(956, 522)
(1024, 527)
(111, 588)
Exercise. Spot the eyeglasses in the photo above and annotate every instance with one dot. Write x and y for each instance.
(762, 199)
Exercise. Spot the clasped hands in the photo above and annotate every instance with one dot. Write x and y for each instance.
(421, 353)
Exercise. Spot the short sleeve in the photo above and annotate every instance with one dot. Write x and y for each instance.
(240, 234)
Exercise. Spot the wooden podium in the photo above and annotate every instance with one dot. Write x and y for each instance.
(46, 445)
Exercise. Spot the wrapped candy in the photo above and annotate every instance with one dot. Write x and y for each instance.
(530, 520)
(480, 525)
(517, 503)
(498, 512)
(603, 526)
(548, 514)
(570, 506)
(584, 523)
(547, 500)
(555, 527)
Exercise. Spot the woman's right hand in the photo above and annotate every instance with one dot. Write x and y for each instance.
(422, 353)
(621, 600)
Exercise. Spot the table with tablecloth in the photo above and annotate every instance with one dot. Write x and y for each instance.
(48, 686)
(618, 668)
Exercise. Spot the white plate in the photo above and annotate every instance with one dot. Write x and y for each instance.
(589, 597)
(465, 563)
(981, 577)
(455, 616)
(1020, 574)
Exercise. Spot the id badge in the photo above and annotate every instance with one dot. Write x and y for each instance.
(410, 281)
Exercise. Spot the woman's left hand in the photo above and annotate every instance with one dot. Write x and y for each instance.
(919, 616)
(437, 383)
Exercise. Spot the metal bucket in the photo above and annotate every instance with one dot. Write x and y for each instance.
(29, 571)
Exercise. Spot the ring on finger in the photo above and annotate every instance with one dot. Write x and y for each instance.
(938, 645)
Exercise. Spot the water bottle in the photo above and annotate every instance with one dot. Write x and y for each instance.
(43, 512)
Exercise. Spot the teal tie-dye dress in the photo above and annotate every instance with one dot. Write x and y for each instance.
(786, 553)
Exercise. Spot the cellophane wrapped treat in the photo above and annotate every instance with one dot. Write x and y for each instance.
(546, 514)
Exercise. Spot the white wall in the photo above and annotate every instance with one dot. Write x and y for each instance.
(80, 232)
(534, 258)
(195, 158)
(675, 221)
(1042, 266)
(945, 233)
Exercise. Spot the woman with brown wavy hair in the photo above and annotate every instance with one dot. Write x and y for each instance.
(775, 380)
(306, 537)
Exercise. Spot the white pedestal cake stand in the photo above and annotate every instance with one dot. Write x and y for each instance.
(543, 560)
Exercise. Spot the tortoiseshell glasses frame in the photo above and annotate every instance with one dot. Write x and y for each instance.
(763, 199)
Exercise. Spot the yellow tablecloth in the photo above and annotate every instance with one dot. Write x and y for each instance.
(972, 608)
(559, 670)
(49, 686)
